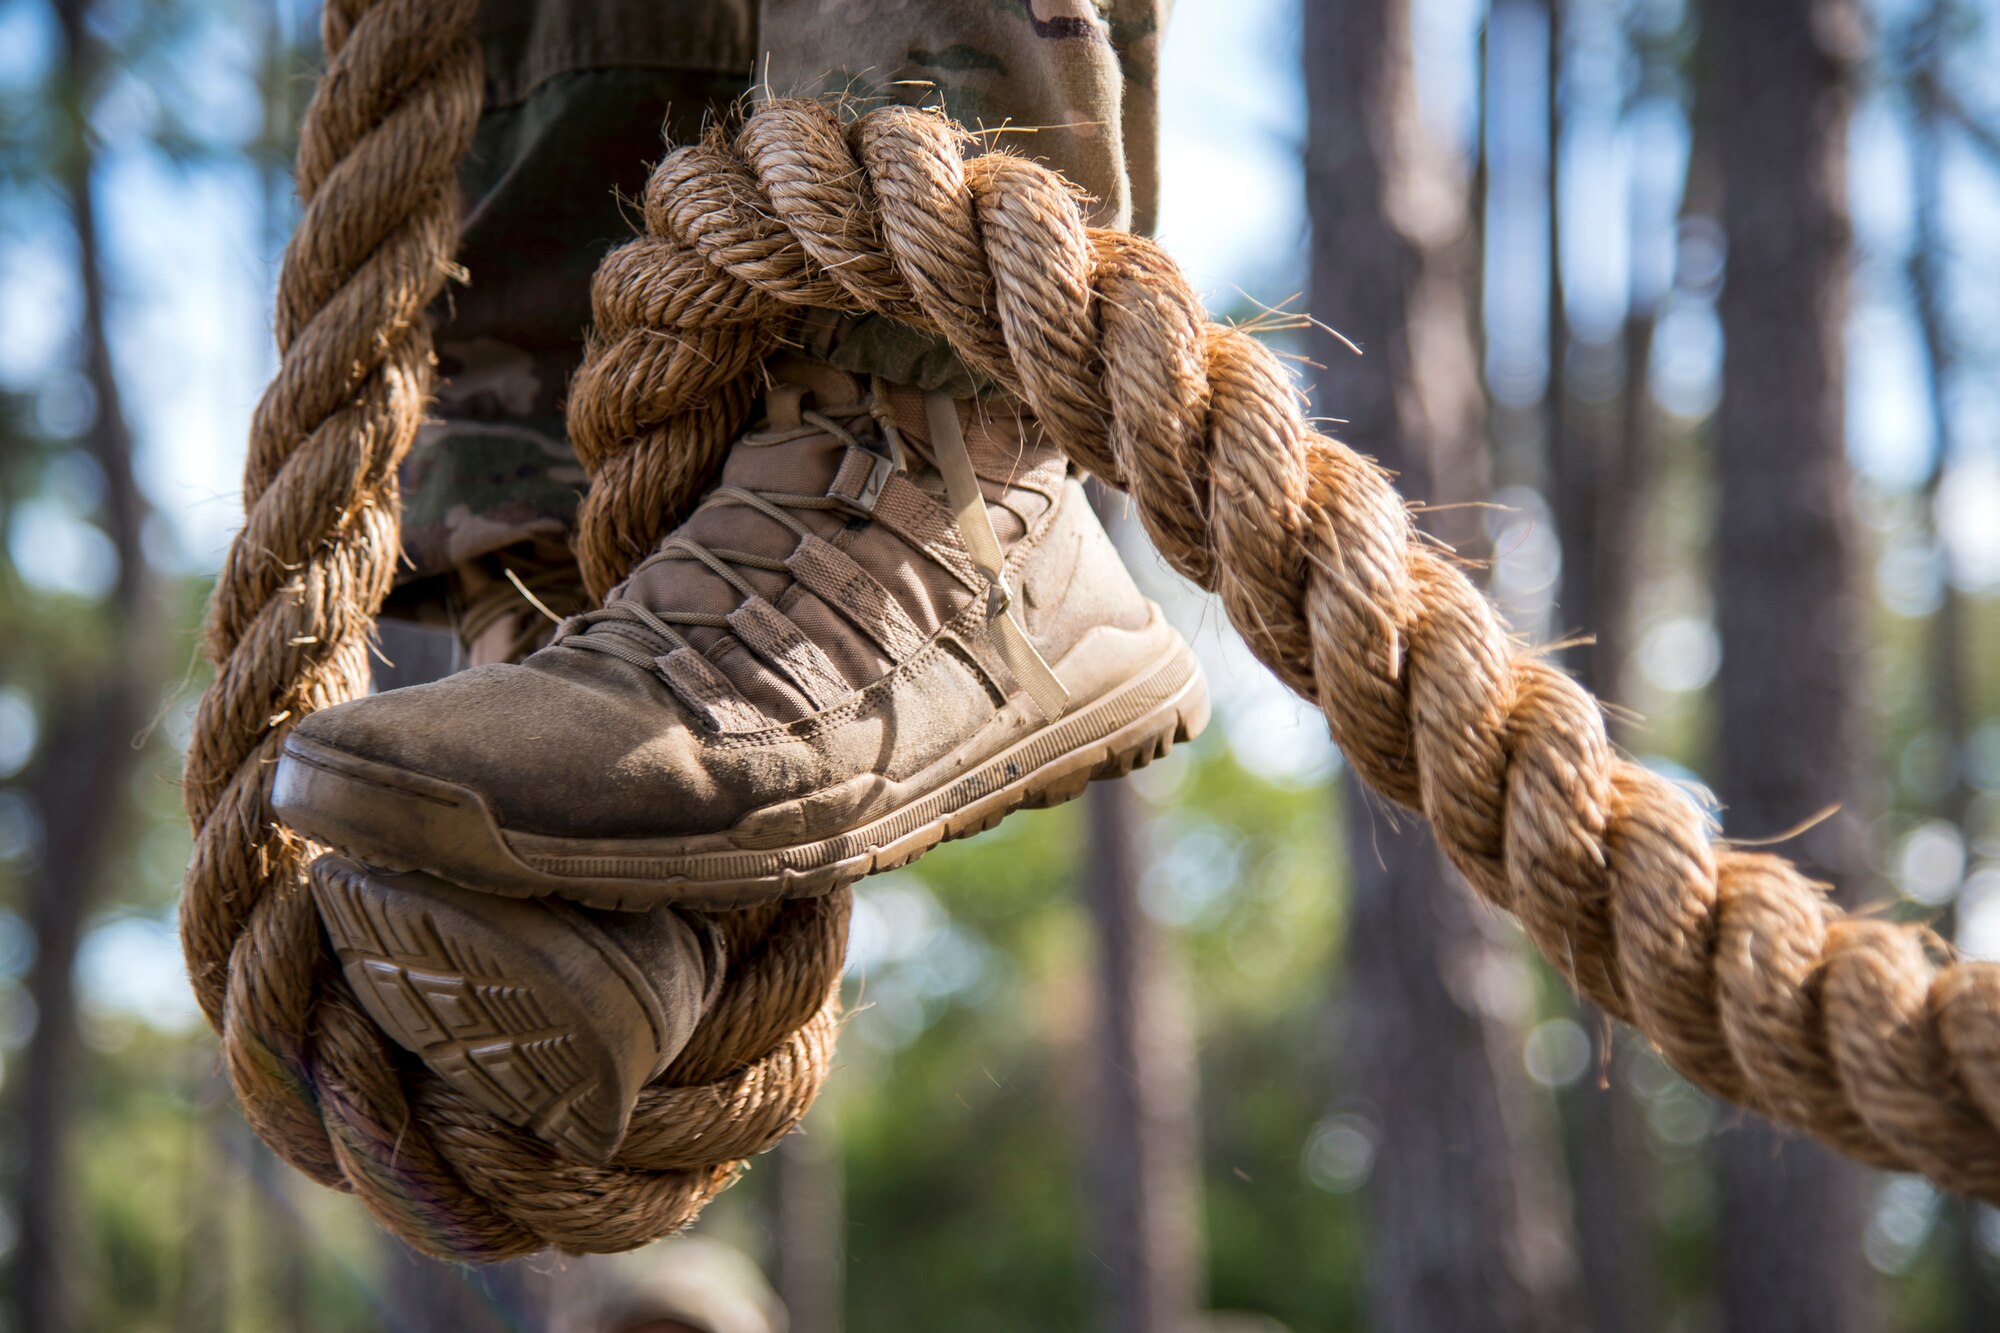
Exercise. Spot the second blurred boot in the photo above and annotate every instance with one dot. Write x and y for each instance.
(548, 1015)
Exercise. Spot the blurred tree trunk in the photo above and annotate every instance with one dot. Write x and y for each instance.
(280, 1255)
(1790, 738)
(210, 1197)
(1468, 1223)
(1144, 1208)
(426, 1296)
(1596, 443)
(1597, 467)
(810, 1224)
(1946, 641)
(82, 774)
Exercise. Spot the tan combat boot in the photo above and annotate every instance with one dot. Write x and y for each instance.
(824, 672)
(894, 620)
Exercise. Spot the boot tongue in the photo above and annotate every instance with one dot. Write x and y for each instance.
(801, 466)
(765, 460)
(797, 383)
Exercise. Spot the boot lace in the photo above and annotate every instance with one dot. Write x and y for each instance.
(636, 631)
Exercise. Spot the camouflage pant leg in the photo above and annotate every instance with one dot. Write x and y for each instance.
(1067, 82)
(580, 94)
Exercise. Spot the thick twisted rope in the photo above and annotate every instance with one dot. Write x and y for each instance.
(288, 631)
(1864, 1034)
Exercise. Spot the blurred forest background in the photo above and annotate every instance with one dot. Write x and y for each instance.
(1683, 318)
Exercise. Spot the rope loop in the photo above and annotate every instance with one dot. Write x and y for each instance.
(1866, 1035)
(289, 629)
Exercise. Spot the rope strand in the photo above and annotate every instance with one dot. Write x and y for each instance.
(1737, 967)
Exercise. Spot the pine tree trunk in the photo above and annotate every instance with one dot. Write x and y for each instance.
(1945, 646)
(1790, 742)
(1144, 1208)
(810, 1225)
(1596, 464)
(81, 775)
(1468, 1220)
(423, 1293)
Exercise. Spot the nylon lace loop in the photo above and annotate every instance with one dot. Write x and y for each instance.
(975, 529)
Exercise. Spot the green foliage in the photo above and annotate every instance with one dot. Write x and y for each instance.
(960, 1113)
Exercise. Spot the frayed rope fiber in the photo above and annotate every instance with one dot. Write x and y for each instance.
(1864, 1034)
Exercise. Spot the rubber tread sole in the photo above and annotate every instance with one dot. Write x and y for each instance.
(538, 1018)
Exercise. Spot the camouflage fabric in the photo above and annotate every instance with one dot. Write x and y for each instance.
(1067, 82)
(581, 95)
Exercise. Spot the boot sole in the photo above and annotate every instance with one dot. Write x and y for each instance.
(410, 821)
(528, 1008)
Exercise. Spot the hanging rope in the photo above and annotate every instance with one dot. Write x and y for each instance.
(1748, 979)
(288, 631)
(1860, 1032)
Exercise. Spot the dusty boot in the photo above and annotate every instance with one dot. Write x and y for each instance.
(548, 1015)
(894, 620)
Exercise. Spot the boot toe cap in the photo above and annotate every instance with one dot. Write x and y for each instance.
(543, 753)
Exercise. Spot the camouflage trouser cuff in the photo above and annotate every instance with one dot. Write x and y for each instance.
(865, 344)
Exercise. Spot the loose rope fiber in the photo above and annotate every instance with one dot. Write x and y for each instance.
(288, 631)
(1860, 1032)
